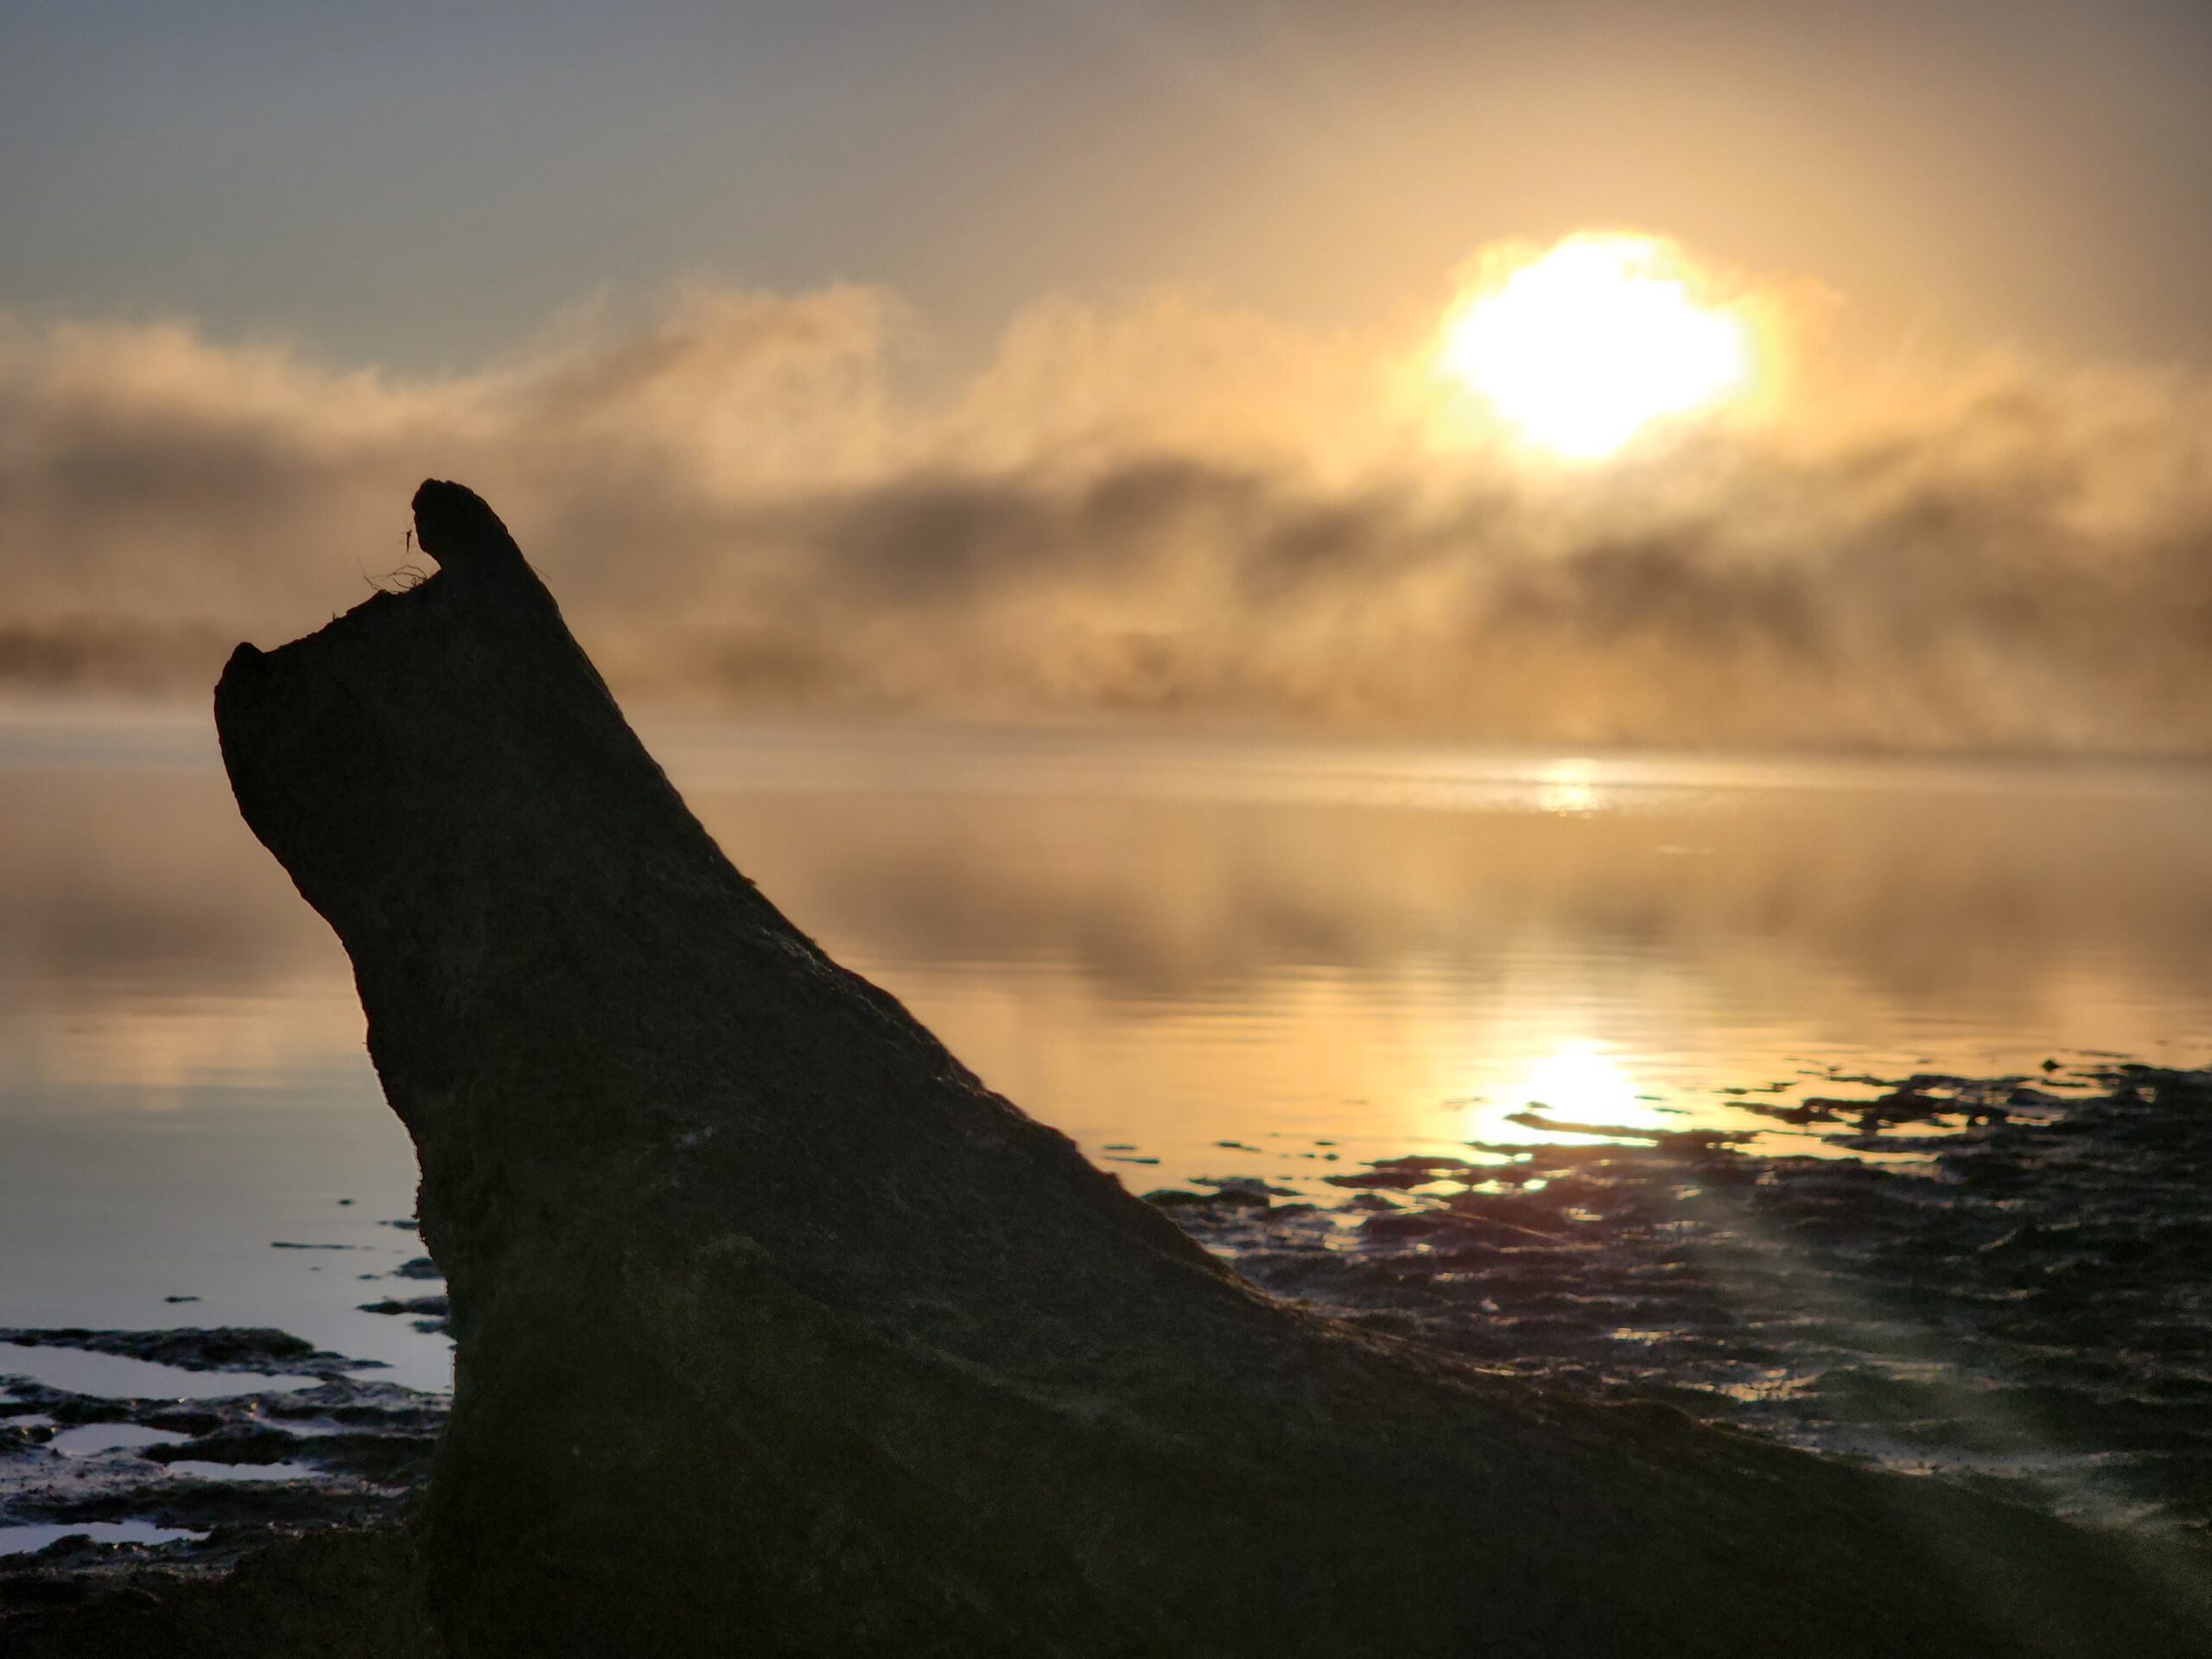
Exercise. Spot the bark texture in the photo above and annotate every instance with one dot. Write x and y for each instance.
(780, 1333)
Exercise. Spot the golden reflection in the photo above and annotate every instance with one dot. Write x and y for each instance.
(1569, 789)
(1579, 1083)
(1327, 968)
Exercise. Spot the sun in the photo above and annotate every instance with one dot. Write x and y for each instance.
(1581, 347)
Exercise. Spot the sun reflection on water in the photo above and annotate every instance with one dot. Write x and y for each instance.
(1576, 1085)
(1569, 788)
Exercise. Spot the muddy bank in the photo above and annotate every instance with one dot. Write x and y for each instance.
(348, 1593)
(105, 1495)
(249, 1502)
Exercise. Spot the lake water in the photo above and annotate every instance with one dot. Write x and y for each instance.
(1199, 959)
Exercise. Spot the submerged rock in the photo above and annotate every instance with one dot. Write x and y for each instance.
(429, 1313)
(778, 1333)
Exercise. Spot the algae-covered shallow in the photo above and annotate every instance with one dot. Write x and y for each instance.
(2021, 1301)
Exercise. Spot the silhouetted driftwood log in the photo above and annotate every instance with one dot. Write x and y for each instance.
(779, 1333)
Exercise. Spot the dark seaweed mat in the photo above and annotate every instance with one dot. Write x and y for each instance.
(2030, 1308)
(363, 1448)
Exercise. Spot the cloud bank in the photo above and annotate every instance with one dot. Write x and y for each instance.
(1169, 512)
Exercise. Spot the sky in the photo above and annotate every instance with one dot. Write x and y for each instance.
(1066, 361)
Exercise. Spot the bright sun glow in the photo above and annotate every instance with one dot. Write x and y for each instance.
(1579, 1083)
(1582, 346)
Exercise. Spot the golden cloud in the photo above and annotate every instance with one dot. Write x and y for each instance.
(1172, 508)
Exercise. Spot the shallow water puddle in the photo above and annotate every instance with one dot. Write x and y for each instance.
(92, 1440)
(115, 1376)
(200, 1470)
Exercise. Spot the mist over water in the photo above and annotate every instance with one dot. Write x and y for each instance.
(1173, 510)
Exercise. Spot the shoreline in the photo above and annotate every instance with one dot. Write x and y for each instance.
(1652, 1267)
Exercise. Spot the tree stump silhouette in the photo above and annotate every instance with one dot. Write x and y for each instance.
(778, 1333)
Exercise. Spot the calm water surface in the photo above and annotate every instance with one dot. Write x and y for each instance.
(1196, 958)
